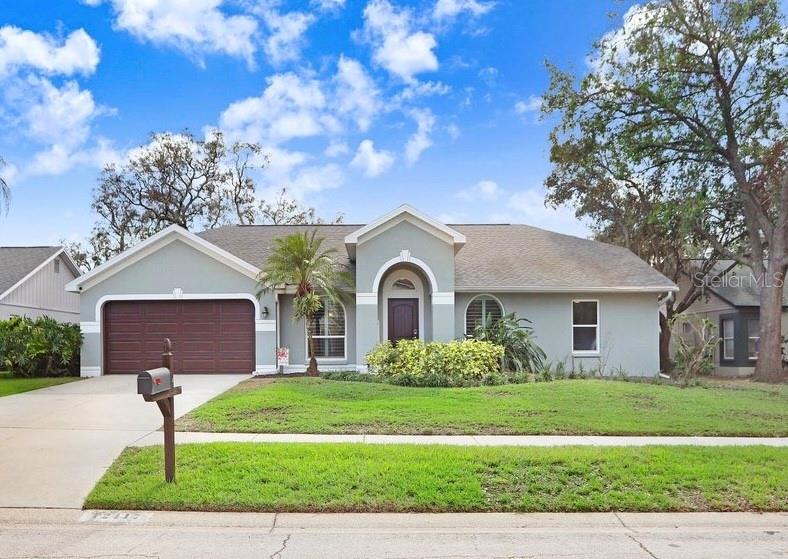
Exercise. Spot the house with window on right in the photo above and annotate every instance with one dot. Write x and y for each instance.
(731, 301)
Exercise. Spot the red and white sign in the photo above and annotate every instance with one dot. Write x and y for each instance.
(282, 356)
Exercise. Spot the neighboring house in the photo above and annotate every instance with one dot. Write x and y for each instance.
(32, 281)
(731, 301)
(591, 304)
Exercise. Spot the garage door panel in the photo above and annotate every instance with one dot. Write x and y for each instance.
(207, 336)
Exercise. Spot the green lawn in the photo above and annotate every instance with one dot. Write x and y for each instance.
(11, 385)
(561, 407)
(377, 478)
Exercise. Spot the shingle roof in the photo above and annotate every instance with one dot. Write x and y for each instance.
(739, 285)
(494, 256)
(17, 262)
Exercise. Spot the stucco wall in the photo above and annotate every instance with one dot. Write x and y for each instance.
(293, 335)
(375, 252)
(176, 265)
(629, 327)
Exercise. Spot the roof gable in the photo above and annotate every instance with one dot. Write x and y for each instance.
(18, 264)
(397, 216)
(151, 245)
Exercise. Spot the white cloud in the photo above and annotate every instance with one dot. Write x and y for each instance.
(329, 5)
(58, 120)
(453, 130)
(287, 34)
(485, 190)
(396, 47)
(531, 105)
(372, 163)
(336, 148)
(310, 180)
(290, 107)
(423, 89)
(527, 206)
(195, 27)
(420, 140)
(356, 94)
(448, 9)
(23, 49)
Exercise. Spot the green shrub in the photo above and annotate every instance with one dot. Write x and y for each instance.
(39, 347)
(515, 335)
(455, 363)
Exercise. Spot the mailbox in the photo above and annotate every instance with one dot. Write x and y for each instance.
(154, 381)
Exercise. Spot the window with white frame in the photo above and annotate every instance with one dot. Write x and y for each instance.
(753, 338)
(727, 339)
(327, 327)
(585, 326)
(479, 309)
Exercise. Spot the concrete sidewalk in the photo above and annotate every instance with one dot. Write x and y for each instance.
(463, 440)
(181, 535)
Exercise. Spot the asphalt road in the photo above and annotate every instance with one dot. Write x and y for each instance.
(27, 533)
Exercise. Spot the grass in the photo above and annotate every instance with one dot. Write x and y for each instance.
(382, 478)
(13, 385)
(589, 407)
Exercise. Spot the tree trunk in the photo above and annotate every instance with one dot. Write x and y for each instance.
(665, 362)
(770, 361)
(312, 369)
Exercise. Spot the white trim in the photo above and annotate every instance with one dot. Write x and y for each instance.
(468, 304)
(389, 292)
(586, 353)
(89, 371)
(174, 296)
(151, 245)
(35, 270)
(90, 327)
(547, 289)
(260, 370)
(456, 237)
(366, 298)
(344, 339)
(264, 325)
(404, 256)
(443, 298)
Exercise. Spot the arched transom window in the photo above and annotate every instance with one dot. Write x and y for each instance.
(478, 309)
(327, 327)
(403, 284)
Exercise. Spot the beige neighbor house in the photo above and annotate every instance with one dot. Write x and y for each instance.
(33, 280)
(730, 301)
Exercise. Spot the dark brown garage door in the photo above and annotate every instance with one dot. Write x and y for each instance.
(207, 336)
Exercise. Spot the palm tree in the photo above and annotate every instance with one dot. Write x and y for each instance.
(5, 192)
(300, 260)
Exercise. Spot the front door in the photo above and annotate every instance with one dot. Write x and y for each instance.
(403, 319)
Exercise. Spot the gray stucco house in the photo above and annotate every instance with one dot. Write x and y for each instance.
(730, 299)
(590, 303)
(32, 281)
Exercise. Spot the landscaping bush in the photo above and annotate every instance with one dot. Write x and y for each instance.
(350, 376)
(521, 354)
(39, 347)
(455, 363)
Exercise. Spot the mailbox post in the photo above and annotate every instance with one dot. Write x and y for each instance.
(158, 385)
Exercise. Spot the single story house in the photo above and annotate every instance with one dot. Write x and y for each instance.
(32, 281)
(592, 305)
(731, 301)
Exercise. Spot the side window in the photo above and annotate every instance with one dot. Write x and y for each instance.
(728, 339)
(585, 326)
(57, 265)
(479, 309)
(753, 338)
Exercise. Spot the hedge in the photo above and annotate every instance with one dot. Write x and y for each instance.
(39, 347)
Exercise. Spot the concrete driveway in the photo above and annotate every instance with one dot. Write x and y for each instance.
(55, 443)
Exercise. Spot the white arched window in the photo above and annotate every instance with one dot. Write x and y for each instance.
(327, 327)
(478, 309)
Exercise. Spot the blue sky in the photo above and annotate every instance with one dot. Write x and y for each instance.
(362, 104)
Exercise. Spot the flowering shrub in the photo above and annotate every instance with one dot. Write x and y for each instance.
(455, 363)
